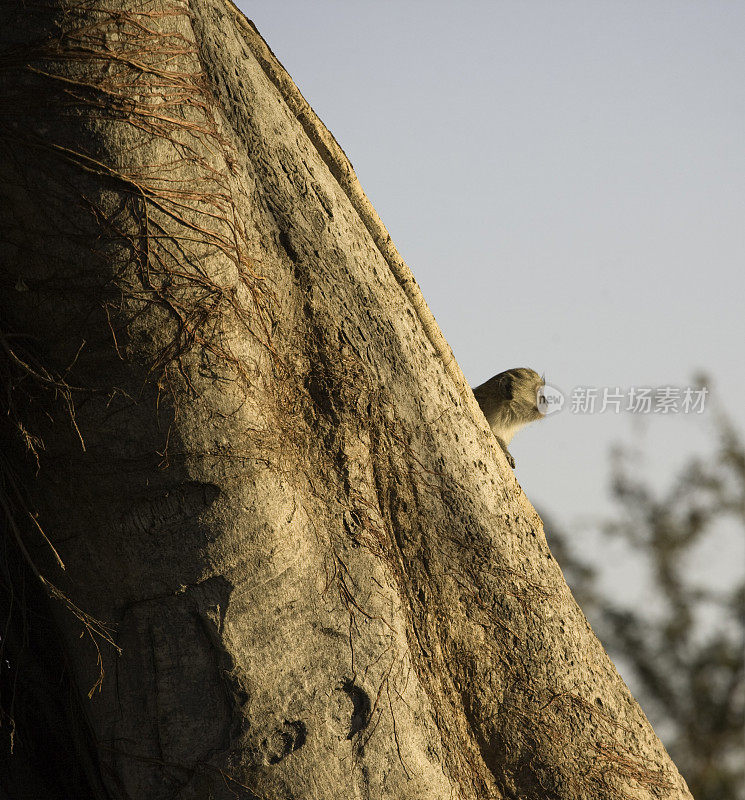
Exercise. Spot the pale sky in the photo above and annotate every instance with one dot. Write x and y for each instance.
(567, 183)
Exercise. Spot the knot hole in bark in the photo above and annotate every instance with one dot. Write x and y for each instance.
(360, 707)
(283, 741)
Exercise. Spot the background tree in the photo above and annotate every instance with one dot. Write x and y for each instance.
(684, 654)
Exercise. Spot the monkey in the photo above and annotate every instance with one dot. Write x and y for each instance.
(510, 401)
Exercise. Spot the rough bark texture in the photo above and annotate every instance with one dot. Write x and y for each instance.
(260, 462)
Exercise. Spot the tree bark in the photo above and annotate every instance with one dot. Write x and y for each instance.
(257, 459)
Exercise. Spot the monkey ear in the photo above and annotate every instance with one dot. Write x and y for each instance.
(508, 387)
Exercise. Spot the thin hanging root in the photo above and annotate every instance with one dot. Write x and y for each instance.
(94, 628)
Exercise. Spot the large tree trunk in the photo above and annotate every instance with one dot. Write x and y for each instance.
(257, 460)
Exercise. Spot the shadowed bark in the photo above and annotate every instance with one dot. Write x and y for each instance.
(300, 564)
